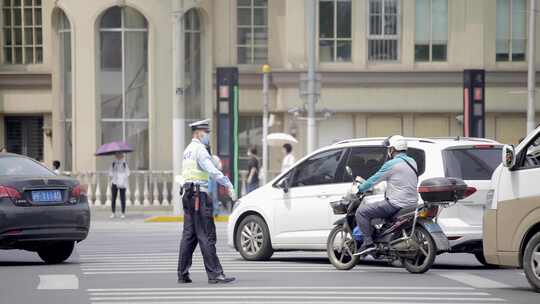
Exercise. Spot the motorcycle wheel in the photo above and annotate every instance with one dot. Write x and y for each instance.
(425, 255)
(341, 248)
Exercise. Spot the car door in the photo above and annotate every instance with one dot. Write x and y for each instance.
(519, 197)
(364, 162)
(302, 218)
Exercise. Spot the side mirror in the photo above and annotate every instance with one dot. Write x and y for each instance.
(508, 156)
(349, 172)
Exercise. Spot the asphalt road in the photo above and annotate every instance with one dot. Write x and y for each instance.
(129, 261)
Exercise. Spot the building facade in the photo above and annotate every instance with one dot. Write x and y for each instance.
(75, 74)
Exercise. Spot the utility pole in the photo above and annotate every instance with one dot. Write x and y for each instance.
(531, 79)
(266, 83)
(178, 103)
(311, 7)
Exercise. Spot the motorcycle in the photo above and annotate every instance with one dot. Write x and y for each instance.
(412, 236)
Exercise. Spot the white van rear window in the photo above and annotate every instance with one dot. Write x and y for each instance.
(471, 163)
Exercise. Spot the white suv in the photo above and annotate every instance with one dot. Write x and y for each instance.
(292, 212)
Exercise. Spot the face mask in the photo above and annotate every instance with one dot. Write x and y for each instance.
(389, 153)
(205, 140)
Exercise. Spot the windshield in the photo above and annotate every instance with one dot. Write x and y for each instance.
(471, 163)
(20, 166)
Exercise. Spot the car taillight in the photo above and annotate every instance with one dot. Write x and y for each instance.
(483, 146)
(8, 192)
(78, 191)
(470, 191)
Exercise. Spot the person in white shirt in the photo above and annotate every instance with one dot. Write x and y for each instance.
(119, 174)
(288, 160)
(56, 167)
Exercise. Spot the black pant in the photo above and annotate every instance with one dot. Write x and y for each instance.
(114, 190)
(199, 228)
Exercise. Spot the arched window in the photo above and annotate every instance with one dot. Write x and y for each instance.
(66, 80)
(123, 77)
(192, 67)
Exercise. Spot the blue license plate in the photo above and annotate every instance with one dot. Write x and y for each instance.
(46, 196)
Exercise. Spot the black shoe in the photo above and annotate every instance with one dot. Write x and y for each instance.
(185, 280)
(221, 279)
(365, 249)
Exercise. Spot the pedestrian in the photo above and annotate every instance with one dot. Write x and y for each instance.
(252, 181)
(119, 174)
(56, 167)
(199, 227)
(288, 159)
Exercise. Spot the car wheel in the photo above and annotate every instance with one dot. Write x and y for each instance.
(253, 239)
(482, 260)
(531, 261)
(56, 253)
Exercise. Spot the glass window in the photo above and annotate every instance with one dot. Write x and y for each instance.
(419, 157)
(335, 40)
(252, 31)
(471, 163)
(249, 135)
(64, 35)
(21, 166)
(384, 30)
(366, 161)
(511, 30)
(431, 27)
(320, 169)
(123, 38)
(23, 36)
(532, 158)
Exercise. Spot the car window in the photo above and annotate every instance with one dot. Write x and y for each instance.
(20, 166)
(471, 163)
(366, 161)
(532, 158)
(419, 157)
(322, 168)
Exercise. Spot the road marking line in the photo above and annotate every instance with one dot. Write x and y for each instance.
(415, 301)
(239, 297)
(271, 292)
(228, 270)
(281, 288)
(473, 280)
(58, 282)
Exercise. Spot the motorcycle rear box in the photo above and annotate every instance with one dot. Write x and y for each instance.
(442, 189)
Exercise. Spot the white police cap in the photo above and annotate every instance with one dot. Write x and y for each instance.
(200, 125)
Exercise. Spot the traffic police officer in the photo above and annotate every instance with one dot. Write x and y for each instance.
(199, 227)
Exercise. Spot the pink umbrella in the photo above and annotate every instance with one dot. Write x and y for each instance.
(114, 147)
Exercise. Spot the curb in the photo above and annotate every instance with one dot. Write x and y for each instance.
(173, 219)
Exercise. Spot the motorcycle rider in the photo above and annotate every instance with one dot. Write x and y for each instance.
(401, 174)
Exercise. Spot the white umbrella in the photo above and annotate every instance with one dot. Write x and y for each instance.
(279, 139)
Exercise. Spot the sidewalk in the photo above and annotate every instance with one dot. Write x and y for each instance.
(150, 214)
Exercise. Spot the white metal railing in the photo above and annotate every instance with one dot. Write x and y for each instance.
(145, 188)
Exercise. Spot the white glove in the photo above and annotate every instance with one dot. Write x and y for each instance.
(232, 194)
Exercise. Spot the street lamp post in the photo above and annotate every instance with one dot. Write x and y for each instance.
(178, 139)
(311, 6)
(531, 79)
(266, 83)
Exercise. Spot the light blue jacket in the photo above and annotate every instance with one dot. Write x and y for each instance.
(402, 181)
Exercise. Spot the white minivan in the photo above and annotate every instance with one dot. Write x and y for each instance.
(512, 218)
(292, 212)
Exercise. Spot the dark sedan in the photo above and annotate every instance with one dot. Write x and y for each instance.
(39, 210)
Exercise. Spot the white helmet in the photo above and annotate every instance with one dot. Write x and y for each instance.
(397, 142)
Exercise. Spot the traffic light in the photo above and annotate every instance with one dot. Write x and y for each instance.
(227, 128)
(474, 110)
